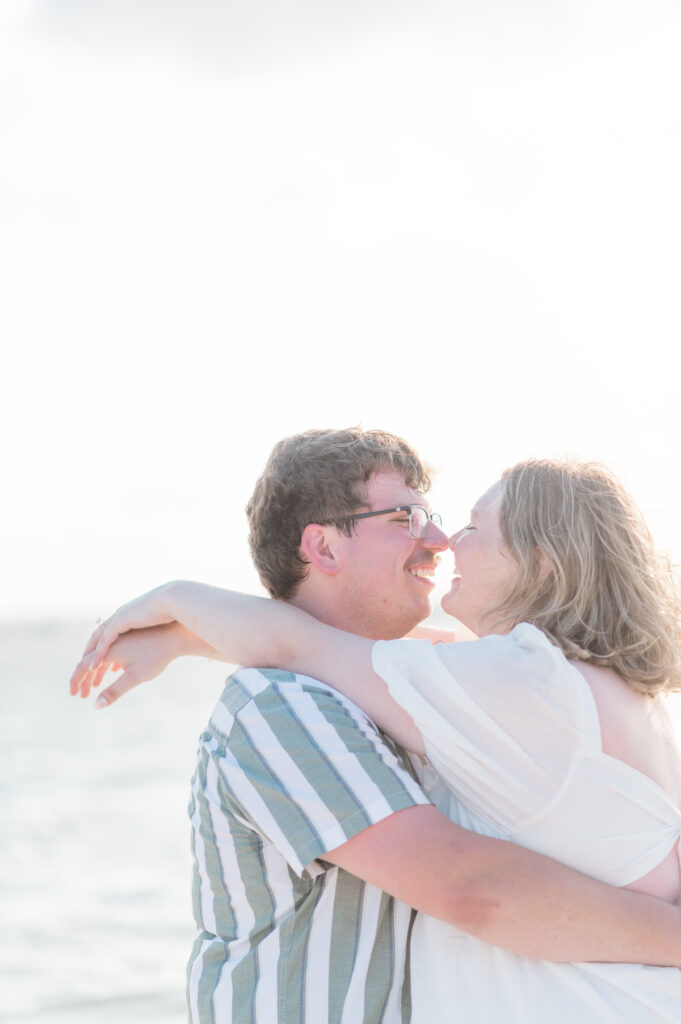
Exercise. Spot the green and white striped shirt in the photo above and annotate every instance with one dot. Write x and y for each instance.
(289, 769)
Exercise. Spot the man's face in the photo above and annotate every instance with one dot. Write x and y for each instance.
(386, 577)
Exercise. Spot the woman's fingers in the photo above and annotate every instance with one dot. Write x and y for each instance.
(87, 674)
(99, 674)
(95, 652)
(128, 639)
(110, 632)
(86, 684)
(94, 637)
(142, 612)
(127, 681)
(79, 676)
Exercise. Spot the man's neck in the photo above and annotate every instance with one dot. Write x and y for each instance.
(330, 611)
(327, 611)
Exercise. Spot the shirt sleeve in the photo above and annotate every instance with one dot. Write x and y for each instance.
(308, 770)
(502, 718)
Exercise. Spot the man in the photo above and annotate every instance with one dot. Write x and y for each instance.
(304, 817)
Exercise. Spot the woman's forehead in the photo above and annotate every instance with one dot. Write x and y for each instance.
(489, 499)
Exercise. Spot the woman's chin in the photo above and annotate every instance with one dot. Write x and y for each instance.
(451, 604)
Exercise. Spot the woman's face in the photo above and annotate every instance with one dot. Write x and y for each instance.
(484, 570)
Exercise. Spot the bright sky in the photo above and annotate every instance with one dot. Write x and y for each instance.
(456, 221)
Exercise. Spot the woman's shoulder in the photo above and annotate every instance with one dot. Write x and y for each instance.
(502, 667)
(523, 657)
(525, 645)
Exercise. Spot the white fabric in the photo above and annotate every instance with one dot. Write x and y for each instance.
(512, 730)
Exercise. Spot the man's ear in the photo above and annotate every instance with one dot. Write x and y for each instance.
(316, 544)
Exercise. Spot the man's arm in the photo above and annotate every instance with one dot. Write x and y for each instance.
(509, 896)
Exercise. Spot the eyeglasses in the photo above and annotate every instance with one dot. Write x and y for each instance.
(419, 517)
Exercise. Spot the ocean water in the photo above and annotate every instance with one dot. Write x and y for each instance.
(95, 868)
(95, 863)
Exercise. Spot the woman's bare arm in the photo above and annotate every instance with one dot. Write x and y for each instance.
(501, 893)
(254, 632)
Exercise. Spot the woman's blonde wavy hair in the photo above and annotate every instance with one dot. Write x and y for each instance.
(609, 598)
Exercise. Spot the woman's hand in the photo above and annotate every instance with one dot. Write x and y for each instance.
(142, 654)
(220, 622)
(151, 609)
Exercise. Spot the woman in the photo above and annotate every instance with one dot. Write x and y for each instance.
(550, 730)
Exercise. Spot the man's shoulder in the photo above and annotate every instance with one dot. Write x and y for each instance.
(265, 692)
(248, 684)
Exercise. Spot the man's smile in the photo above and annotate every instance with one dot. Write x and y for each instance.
(423, 572)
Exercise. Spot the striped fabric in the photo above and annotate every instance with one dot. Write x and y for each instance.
(288, 770)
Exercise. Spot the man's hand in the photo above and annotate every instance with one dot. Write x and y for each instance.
(142, 654)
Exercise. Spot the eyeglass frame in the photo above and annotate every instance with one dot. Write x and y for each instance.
(432, 517)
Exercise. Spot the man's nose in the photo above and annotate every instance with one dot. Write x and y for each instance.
(434, 538)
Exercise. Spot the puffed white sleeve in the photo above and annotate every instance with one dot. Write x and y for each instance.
(502, 718)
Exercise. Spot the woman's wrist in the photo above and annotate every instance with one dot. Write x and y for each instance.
(191, 606)
(188, 644)
(170, 599)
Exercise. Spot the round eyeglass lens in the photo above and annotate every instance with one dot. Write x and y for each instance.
(419, 522)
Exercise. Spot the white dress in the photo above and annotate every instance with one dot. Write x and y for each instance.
(512, 731)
